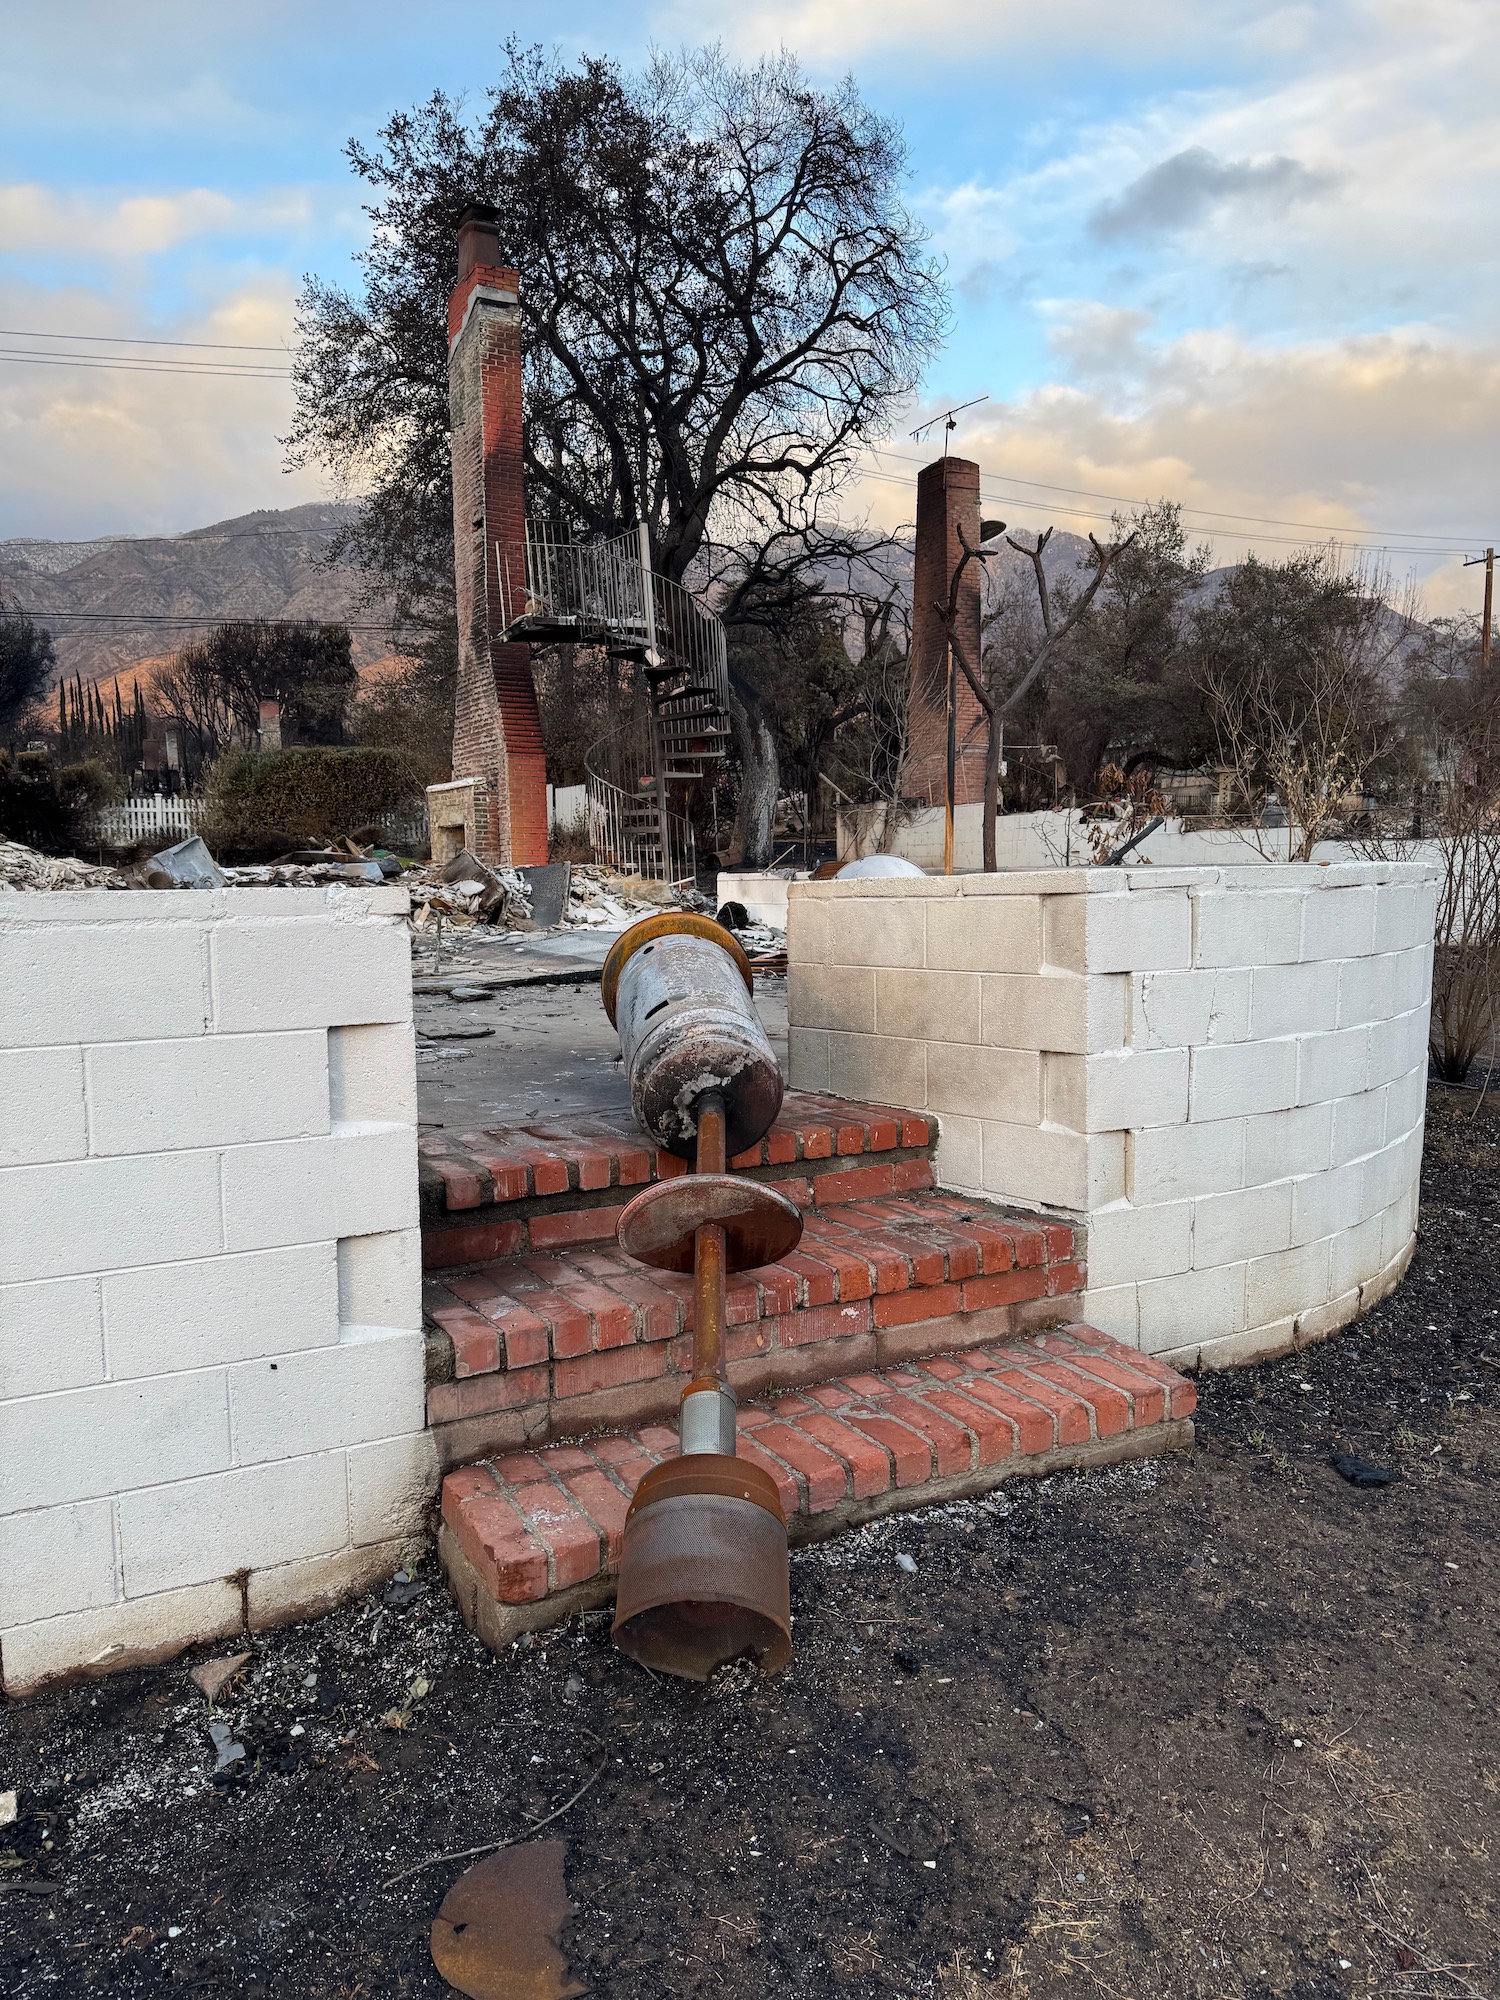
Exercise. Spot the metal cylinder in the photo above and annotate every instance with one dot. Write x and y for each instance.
(706, 1421)
(688, 1026)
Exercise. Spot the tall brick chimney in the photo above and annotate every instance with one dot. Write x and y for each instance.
(947, 498)
(499, 769)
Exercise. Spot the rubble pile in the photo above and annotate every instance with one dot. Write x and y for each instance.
(23, 868)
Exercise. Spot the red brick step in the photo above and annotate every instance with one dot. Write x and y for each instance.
(541, 1346)
(533, 1538)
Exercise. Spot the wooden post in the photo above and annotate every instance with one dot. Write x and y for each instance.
(952, 760)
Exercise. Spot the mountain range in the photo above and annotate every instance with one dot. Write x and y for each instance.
(124, 600)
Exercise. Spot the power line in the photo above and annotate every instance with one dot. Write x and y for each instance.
(219, 371)
(134, 340)
(189, 538)
(185, 621)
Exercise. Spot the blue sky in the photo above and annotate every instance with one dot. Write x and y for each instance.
(1242, 255)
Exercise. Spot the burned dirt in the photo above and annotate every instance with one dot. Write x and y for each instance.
(1222, 1725)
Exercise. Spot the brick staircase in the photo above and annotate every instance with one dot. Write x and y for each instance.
(916, 1346)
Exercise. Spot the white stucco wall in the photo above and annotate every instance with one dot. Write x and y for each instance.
(211, 1374)
(1222, 1072)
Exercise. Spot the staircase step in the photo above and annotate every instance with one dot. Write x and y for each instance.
(476, 1185)
(549, 1341)
(533, 1539)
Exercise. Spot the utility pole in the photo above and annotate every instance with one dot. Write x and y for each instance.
(952, 758)
(1488, 559)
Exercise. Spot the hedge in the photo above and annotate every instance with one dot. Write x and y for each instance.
(258, 801)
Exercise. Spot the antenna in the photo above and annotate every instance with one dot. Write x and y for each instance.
(948, 419)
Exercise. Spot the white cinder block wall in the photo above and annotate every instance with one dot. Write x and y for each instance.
(1221, 1071)
(211, 1374)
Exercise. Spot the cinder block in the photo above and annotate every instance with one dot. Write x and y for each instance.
(1355, 1255)
(1338, 923)
(1389, 1173)
(1185, 1010)
(380, 1279)
(1327, 1204)
(808, 1056)
(369, 1386)
(216, 1090)
(1293, 999)
(1367, 990)
(1396, 1047)
(985, 934)
(808, 938)
(1030, 1164)
(1191, 1306)
(1320, 1321)
(1405, 1104)
(85, 1443)
(1412, 980)
(1054, 1010)
(196, 1529)
(116, 1635)
(985, 1083)
(372, 1074)
(41, 1106)
(56, 1559)
(927, 1006)
(1115, 1310)
(219, 1309)
(309, 973)
(1397, 1224)
(876, 930)
(1117, 1092)
(1241, 1078)
(1128, 1243)
(1358, 1126)
(1331, 1066)
(51, 1336)
(1065, 932)
(1175, 1162)
(307, 1588)
(1279, 1144)
(831, 996)
(391, 1486)
(100, 982)
(1141, 932)
(1248, 925)
(1401, 916)
(360, 1181)
(92, 1215)
(1248, 1222)
(960, 1155)
(1288, 1282)
(877, 1069)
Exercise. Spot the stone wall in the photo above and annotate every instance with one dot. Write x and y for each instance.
(211, 1362)
(1222, 1072)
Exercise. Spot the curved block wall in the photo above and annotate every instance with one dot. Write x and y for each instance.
(1220, 1071)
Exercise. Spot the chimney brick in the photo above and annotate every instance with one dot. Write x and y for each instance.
(947, 498)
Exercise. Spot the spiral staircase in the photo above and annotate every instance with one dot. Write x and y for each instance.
(607, 594)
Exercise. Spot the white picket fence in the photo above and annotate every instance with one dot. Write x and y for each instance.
(157, 817)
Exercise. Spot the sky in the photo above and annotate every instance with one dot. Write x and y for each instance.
(1242, 256)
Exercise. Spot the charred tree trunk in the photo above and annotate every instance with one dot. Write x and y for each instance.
(760, 776)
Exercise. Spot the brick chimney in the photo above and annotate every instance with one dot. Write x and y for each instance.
(270, 723)
(497, 735)
(947, 499)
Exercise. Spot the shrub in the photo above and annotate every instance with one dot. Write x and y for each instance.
(260, 803)
(47, 807)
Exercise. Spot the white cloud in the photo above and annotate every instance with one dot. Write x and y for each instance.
(1379, 437)
(37, 220)
(93, 450)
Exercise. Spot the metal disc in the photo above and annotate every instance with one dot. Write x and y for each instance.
(671, 923)
(760, 1225)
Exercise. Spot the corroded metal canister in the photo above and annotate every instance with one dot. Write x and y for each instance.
(677, 987)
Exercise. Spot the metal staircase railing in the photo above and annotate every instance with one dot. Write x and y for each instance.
(554, 592)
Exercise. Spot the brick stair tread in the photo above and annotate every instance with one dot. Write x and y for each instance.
(468, 1170)
(915, 1256)
(534, 1524)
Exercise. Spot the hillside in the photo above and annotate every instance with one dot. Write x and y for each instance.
(104, 601)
